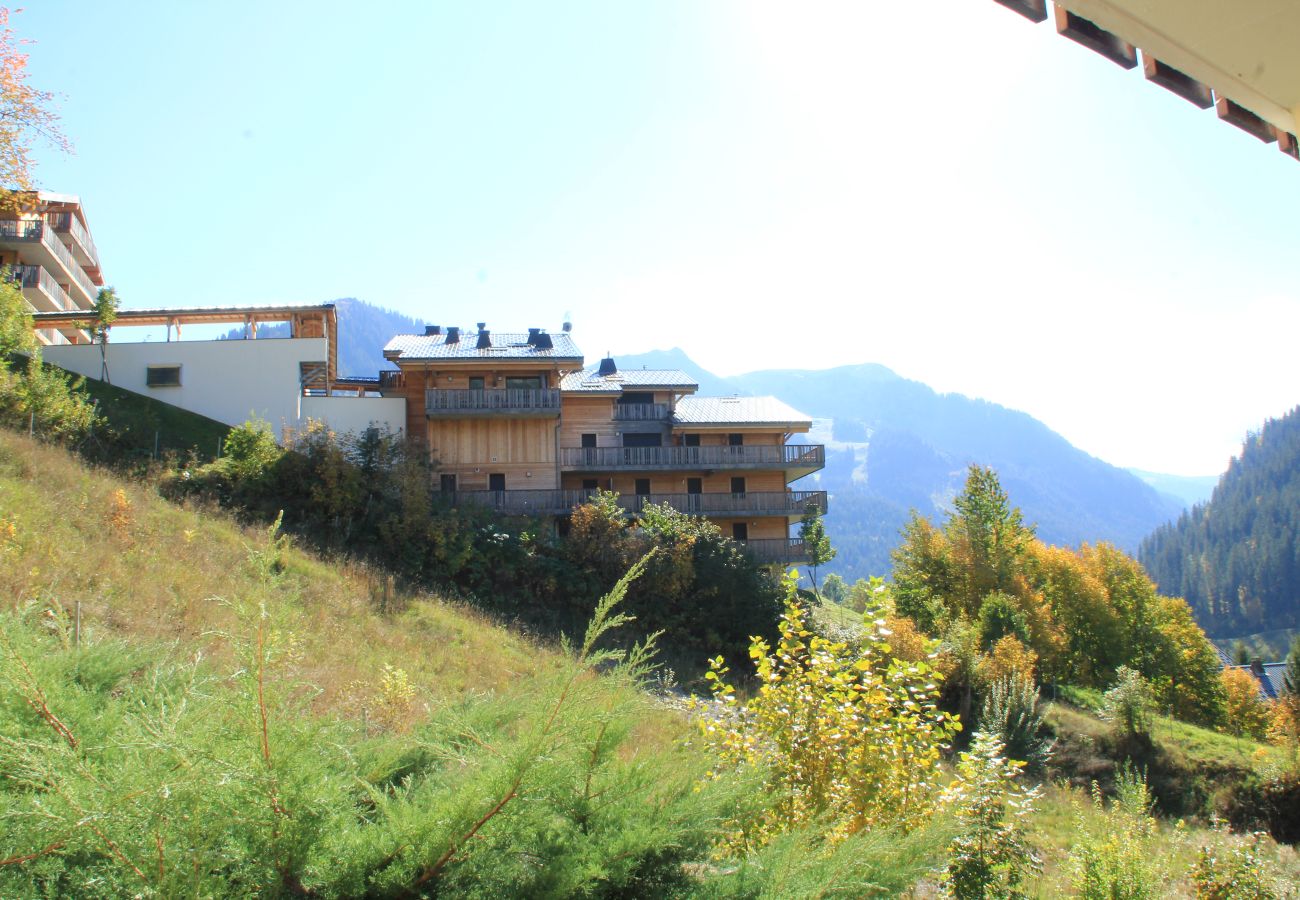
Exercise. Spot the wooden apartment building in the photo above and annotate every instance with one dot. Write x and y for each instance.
(515, 422)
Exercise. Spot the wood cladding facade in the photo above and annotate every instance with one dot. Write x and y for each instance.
(485, 450)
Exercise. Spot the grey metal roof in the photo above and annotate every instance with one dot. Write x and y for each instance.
(737, 411)
(588, 381)
(1269, 676)
(505, 345)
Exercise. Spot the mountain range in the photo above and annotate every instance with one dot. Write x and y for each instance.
(894, 445)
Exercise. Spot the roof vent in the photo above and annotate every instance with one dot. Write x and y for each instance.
(544, 342)
(607, 367)
(430, 330)
(453, 335)
(484, 339)
(566, 327)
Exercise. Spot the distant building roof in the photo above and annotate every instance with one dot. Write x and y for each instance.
(504, 345)
(590, 381)
(1269, 676)
(738, 411)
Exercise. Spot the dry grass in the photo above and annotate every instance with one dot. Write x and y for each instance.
(146, 569)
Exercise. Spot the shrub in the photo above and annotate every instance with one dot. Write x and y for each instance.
(1234, 871)
(850, 738)
(1130, 703)
(990, 856)
(1112, 857)
(1011, 713)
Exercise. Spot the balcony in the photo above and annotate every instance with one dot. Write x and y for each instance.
(641, 412)
(56, 256)
(83, 243)
(555, 503)
(774, 551)
(796, 459)
(512, 402)
(41, 290)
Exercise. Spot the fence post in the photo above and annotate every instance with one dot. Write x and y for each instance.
(155, 445)
(76, 625)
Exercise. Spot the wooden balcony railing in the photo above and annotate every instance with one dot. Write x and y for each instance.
(553, 503)
(35, 277)
(782, 551)
(508, 401)
(790, 456)
(35, 231)
(640, 412)
(68, 223)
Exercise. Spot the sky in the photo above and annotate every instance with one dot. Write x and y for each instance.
(940, 187)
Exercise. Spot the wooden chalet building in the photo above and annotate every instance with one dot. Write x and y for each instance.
(515, 422)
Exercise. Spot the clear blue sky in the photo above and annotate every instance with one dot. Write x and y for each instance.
(940, 187)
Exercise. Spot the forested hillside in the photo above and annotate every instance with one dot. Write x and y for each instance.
(1235, 558)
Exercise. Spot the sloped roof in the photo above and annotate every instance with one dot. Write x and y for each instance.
(738, 411)
(588, 381)
(505, 345)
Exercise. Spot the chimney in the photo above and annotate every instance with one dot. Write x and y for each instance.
(607, 367)
(1257, 667)
(532, 336)
(484, 339)
(544, 342)
(431, 330)
(453, 335)
(482, 325)
(566, 327)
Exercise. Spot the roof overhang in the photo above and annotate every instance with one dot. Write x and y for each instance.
(1240, 56)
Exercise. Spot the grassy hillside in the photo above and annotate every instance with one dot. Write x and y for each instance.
(403, 717)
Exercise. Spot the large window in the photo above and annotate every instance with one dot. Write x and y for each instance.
(531, 383)
(162, 376)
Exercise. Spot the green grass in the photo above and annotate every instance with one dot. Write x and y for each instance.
(139, 425)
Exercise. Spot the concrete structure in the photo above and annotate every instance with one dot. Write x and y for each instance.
(46, 246)
(514, 421)
(1238, 57)
(285, 381)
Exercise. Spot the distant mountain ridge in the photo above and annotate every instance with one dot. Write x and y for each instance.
(893, 445)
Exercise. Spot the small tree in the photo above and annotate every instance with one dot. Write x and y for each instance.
(106, 304)
(815, 542)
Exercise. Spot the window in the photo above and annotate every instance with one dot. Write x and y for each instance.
(590, 484)
(531, 383)
(643, 439)
(740, 531)
(637, 397)
(476, 383)
(162, 376)
(447, 483)
(690, 440)
(735, 440)
(497, 481)
(642, 487)
(738, 485)
(589, 441)
(695, 485)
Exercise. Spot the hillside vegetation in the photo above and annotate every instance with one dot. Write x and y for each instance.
(230, 716)
(1237, 558)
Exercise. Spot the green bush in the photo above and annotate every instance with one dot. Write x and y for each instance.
(1011, 712)
(1112, 856)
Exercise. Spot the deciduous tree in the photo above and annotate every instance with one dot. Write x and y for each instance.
(26, 119)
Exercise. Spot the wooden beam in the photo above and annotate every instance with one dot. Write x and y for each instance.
(1180, 83)
(1247, 121)
(1095, 38)
(1033, 10)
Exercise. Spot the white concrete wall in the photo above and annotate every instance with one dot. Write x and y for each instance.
(224, 380)
(356, 413)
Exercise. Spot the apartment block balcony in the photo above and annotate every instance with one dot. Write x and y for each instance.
(83, 244)
(775, 551)
(41, 290)
(36, 240)
(512, 402)
(554, 503)
(641, 412)
(796, 460)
